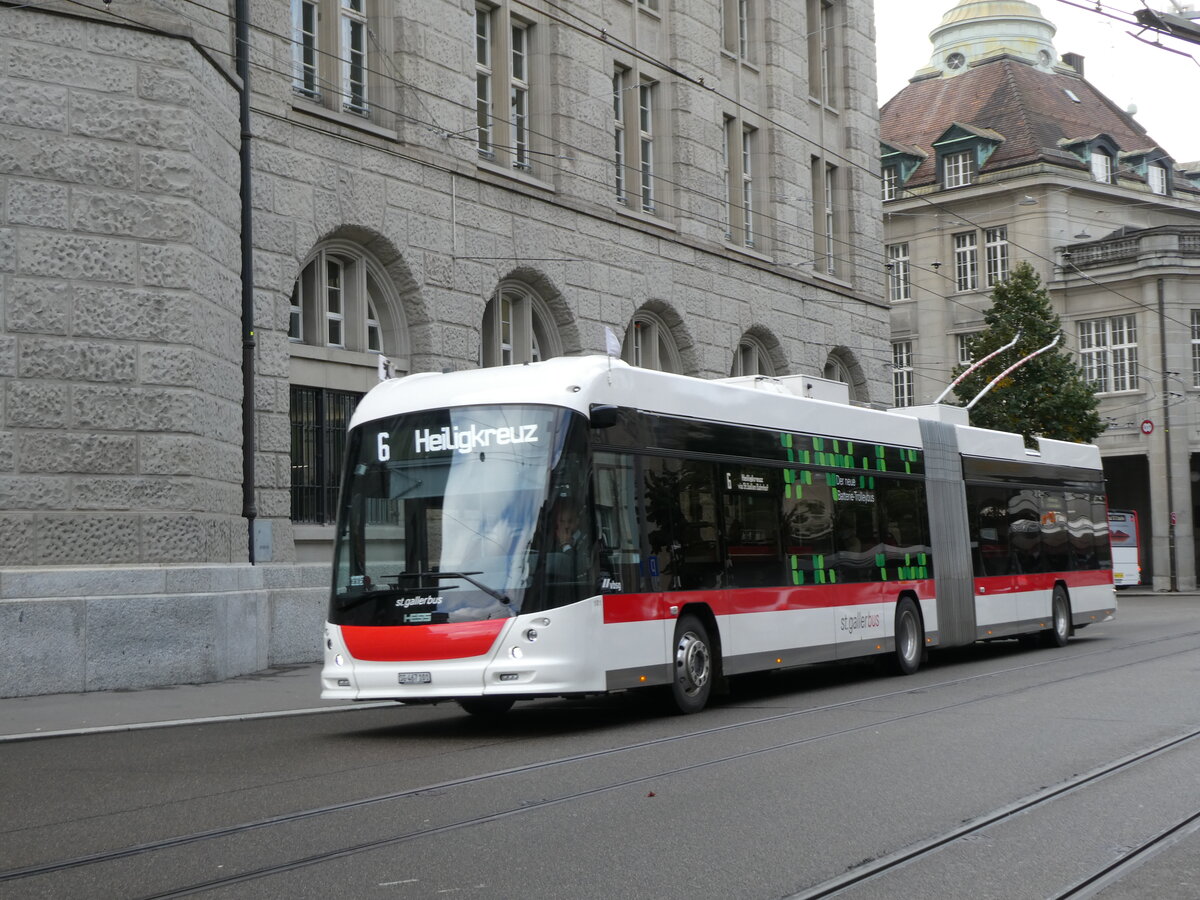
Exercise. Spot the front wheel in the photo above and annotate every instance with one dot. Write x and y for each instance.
(692, 679)
(909, 638)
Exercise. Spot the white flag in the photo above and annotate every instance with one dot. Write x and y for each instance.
(612, 343)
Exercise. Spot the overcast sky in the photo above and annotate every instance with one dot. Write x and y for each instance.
(1164, 86)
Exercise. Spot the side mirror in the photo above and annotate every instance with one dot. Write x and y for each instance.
(601, 415)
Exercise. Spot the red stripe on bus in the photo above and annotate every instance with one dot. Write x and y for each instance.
(1042, 581)
(738, 601)
(405, 643)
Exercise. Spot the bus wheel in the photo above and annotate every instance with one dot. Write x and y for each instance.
(693, 677)
(908, 638)
(486, 707)
(1060, 611)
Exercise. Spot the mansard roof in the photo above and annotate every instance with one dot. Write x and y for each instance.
(1038, 112)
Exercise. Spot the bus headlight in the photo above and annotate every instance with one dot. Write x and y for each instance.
(516, 652)
(338, 660)
(531, 635)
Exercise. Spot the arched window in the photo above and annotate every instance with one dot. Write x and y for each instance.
(649, 344)
(751, 358)
(840, 368)
(517, 328)
(337, 301)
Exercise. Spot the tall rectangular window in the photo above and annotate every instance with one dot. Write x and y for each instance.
(504, 86)
(962, 346)
(1196, 348)
(958, 169)
(823, 46)
(332, 49)
(305, 47)
(830, 220)
(646, 143)
(742, 183)
(995, 255)
(825, 219)
(354, 55)
(1108, 353)
(903, 393)
(735, 27)
(899, 283)
(748, 186)
(483, 80)
(966, 262)
(727, 176)
(618, 85)
(519, 96)
(743, 28)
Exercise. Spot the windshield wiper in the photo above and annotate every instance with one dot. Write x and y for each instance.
(465, 576)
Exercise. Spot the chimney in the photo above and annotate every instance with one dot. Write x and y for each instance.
(1074, 60)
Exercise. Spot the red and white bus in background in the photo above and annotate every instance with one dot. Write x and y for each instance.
(1126, 554)
(579, 526)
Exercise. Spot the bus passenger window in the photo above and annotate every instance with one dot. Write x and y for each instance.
(754, 552)
(987, 511)
(808, 529)
(681, 524)
(1081, 531)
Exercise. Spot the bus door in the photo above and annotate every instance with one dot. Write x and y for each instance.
(860, 555)
(636, 626)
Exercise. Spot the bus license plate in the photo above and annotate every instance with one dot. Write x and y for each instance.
(415, 678)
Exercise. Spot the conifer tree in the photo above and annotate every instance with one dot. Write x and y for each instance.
(1047, 396)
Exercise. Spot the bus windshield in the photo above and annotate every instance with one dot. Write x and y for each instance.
(463, 514)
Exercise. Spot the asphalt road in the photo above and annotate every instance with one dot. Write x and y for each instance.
(997, 771)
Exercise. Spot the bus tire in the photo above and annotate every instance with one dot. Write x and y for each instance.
(692, 661)
(486, 707)
(1060, 614)
(909, 638)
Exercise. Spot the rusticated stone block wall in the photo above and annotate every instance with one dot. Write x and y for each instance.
(120, 345)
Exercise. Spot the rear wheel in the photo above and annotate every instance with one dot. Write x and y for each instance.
(909, 638)
(692, 679)
(486, 707)
(1060, 611)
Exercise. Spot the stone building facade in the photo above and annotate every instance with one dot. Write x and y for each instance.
(1001, 151)
(433, 184)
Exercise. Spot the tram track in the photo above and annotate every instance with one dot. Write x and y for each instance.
(116, 855)
(1086, 887)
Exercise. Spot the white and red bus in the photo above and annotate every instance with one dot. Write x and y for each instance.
(1126, 553)
(580, 526)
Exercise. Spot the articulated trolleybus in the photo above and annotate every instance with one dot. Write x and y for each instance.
(580, 526)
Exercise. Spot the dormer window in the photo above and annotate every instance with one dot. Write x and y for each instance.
(1151, 163)
(962, 150)
(958, 169)
(898, 162)
(1099, 152)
